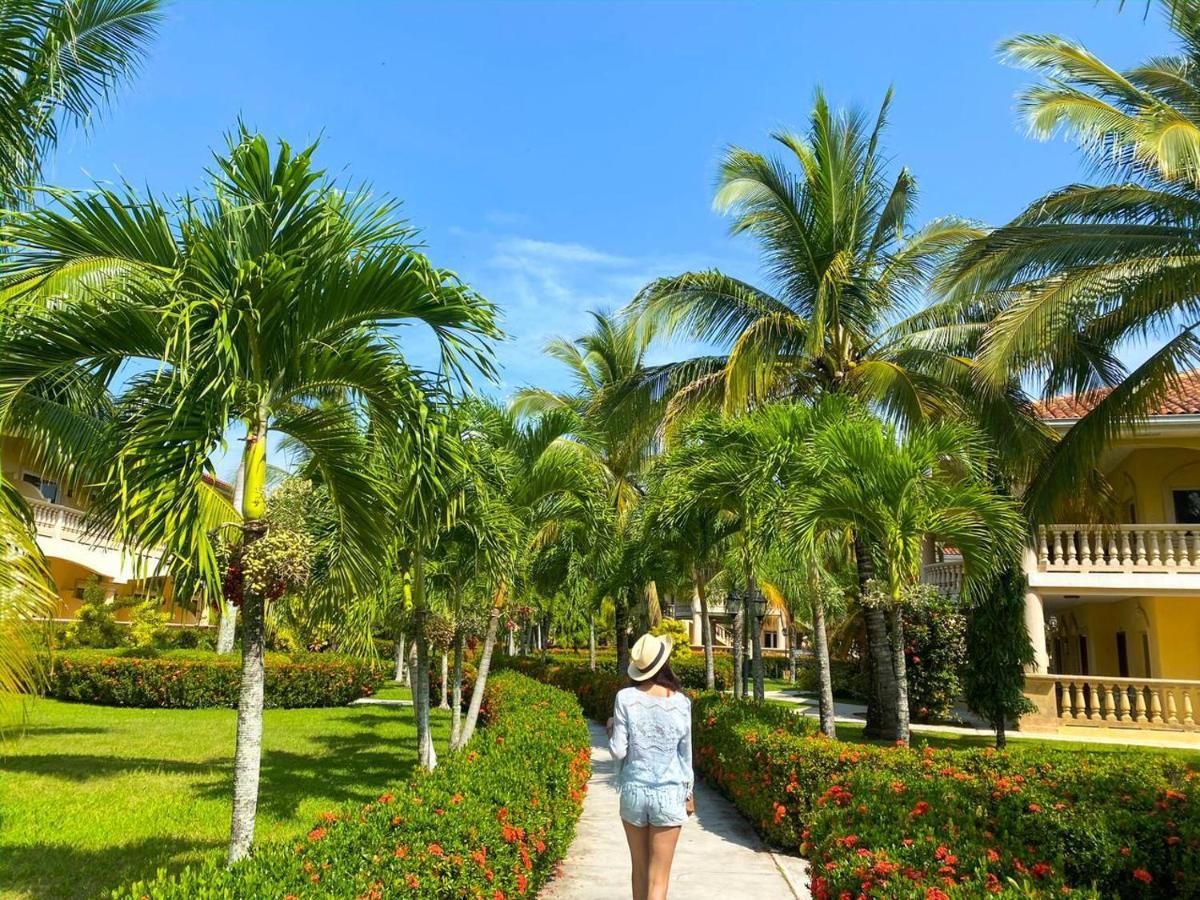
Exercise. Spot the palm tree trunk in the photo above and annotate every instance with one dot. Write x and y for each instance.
(456, 706)
(824, 668)
(710, 674)
(621, 618)
(739, 653)
(411, 664)
(791, 651)
(227, 628)
(756, 661)
(421, 676)
(485, 664)
(881, 704)
(445, 704)
(247, 756)
(900, 666)
(592, 642)
(398, 674)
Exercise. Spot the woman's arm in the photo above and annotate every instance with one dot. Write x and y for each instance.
(685, 752)
(618, 735)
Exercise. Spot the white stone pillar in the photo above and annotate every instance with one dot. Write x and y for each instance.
(1035, 624)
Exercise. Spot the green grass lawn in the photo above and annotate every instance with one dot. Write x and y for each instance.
(394, 690)
(93, 796)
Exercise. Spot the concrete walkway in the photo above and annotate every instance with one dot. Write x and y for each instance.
(719, 854)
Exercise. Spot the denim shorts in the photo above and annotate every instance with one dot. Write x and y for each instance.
(660, 806)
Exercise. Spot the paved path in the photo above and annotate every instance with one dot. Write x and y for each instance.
(719, 855)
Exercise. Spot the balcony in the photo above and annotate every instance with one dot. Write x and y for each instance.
(63, 534)
(1098, 559)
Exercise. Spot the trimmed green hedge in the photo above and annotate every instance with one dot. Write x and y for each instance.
(489, 823)
(687, 666)
(190, 679)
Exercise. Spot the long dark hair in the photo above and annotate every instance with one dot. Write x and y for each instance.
(664, 677)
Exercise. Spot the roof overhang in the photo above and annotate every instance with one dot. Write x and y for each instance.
(1154, 426)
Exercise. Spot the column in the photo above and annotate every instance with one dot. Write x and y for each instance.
(1035, 624)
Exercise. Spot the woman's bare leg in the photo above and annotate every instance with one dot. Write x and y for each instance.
(662, 854)
(639, 854)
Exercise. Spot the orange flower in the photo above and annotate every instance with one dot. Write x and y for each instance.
(316, 834)
(412, 881)
(1143, 876)
(436, 850)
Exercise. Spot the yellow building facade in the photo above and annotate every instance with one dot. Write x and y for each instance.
(1113, 609)
(77, 552)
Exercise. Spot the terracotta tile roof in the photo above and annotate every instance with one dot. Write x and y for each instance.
(1182, 399)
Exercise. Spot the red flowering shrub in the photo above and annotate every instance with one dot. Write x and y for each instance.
(184, 679)
(490, 822)
(895, 822)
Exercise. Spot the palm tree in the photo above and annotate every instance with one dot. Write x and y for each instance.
(60, 63)
(894, 493)
(262, 308)
(841, 313)
(534, 483)
(1093, 268)
(612, 414)
(26, 595)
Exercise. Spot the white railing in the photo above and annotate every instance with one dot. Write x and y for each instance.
(947, 577)
(66, 524)
(1120, 548)
(1153, 703)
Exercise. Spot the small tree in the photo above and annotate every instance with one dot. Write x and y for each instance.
(94, 625)
(998, 651)
(934, 631)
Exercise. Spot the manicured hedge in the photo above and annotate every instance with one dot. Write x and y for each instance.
(890, 821)
(489, 823)
(182, 679)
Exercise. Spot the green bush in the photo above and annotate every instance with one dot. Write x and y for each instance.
(189, 679)
(94, 624)
(490, 822)
(688, 667)
(935, 650)
(896, 822)
(849, 680)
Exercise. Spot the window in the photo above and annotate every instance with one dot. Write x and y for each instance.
(1187, 506)
(771, 640)
(48, 489)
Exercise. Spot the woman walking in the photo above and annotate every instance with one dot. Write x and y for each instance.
(650, 734)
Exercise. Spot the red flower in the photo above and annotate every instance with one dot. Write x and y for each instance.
(436, 850)
(412, 881)
(316, 834)
(1143, 876)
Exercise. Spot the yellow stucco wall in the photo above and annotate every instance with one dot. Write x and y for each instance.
(1171, 626)
(1147, 476)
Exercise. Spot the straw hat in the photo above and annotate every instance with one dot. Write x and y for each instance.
(649, 655)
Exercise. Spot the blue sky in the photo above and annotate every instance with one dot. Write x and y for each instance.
(559, 155)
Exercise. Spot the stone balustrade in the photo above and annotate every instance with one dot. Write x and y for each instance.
(947, 577)
(1119, 548)
(1098, 700)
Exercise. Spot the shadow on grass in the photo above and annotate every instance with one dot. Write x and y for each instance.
(59, 871)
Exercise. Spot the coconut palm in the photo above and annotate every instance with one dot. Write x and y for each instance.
(1093, 268)
(842, 311)
(893, 493)
(612, 413)
(261, 309)
(60, 62)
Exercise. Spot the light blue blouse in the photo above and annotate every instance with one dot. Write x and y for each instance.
(652, 738)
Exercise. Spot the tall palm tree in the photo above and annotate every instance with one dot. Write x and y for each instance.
(60, 62)
(612, 413)
(261, 309)
(1093, 268)
(842, 311)
(893, 493)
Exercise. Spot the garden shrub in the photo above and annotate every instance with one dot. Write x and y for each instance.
(897, 822)
(189, 679)
(491, 822)
(94, 624)
(688, 667)
(850, 682)
(935, 651)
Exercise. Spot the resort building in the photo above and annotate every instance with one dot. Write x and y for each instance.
(721, 612)
(76, 552)
(1113, 608)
